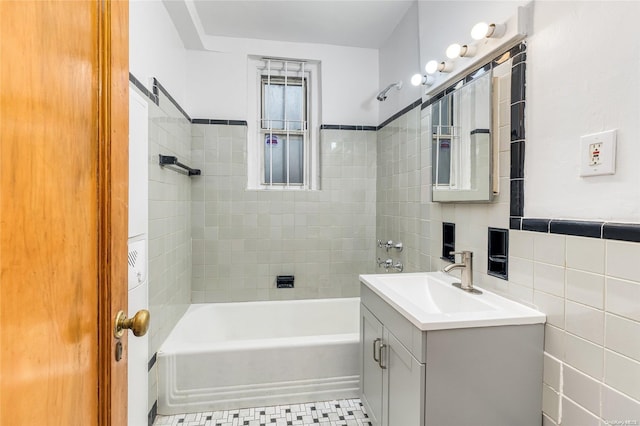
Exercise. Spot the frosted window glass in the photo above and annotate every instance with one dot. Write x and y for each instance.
(283, 105)
(275, 158)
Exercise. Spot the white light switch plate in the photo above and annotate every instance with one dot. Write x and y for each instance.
(598, 154)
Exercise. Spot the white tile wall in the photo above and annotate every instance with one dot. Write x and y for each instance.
(618, 407)
(585, 254)
(586, 288)
(623, 336)
(575, 415)
(589, 288)
(592, 336)
(622, 373)
(581, 389)
(622, 297)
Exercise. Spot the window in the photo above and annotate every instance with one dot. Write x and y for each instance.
(282, 131)
(283, 128)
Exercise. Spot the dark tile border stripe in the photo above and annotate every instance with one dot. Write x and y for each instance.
(155, 98)
(143, 89)
(400, 113)
(153, 413)
(576, 227)
(152, 362)
(220, 122)
(580, 228)
(621, 232)
(537, 225)
(347, 127)
(157, 85)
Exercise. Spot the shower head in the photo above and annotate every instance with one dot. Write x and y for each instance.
(383, 93)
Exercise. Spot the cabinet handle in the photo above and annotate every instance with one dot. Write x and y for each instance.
(374, 350)
(382, 346)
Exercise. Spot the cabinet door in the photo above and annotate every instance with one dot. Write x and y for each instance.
(404, 385)
(371, 374)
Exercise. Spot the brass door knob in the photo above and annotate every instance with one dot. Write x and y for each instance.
(139, 324)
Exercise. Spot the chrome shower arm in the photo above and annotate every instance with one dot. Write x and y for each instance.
(383, 93)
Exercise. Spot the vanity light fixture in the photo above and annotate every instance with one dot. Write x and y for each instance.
(424, 80)
(455, 50)
(483, 30)
(434, 66)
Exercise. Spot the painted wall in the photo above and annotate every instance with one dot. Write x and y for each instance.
(155, 48)
(217, 81)
(443, 23)
(399, 60)
(569, 96)
(571, 92)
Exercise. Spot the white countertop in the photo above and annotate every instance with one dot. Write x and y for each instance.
(430, 302)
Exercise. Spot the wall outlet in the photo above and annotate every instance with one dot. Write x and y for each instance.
(598, 154)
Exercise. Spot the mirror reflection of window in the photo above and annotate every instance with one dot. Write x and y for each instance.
(461, 141)
(441, 120)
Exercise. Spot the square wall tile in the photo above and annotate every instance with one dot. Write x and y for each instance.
(585, 322)
(552, 306)
(575, 415)
(622, 336)
(622, 373)
(622, 258)
(549, 248)
(618, 407)
(581, 388)
(622, 298)
(586, 254)
(548, 278)
(521, 271)
(585, 288)
(584, 355)
(521, 244)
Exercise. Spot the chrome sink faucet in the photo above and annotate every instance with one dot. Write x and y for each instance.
(467, 271)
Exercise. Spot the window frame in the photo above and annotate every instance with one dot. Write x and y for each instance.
(257, 66)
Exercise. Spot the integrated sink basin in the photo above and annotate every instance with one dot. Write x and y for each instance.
(430, 302)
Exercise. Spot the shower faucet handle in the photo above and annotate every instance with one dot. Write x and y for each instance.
(386, 264)
(391, 245)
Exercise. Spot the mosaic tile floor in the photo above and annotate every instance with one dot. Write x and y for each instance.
(344, 412)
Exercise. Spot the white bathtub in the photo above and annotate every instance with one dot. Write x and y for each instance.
(235, 355)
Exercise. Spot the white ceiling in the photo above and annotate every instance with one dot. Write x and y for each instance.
(359, 23)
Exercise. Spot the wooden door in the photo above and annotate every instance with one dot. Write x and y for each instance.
(63, 216)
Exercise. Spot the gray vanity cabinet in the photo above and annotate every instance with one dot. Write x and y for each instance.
(392, 380)
(371, 375)
(483, 376)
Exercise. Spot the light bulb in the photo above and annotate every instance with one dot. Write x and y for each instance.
(445, 66)
(453, 51)
(431, 67)
(479, 31)
(416, 80)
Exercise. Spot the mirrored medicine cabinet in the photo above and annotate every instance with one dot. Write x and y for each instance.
(461, 143)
